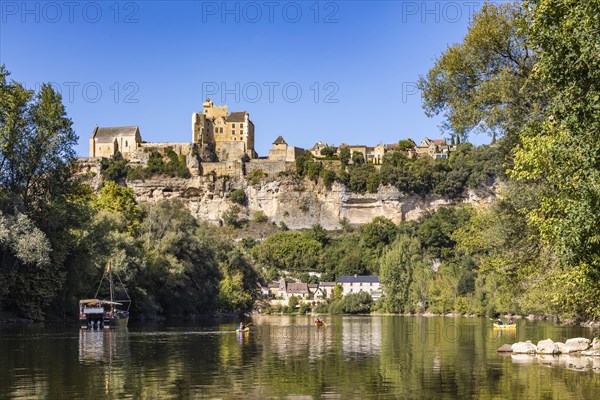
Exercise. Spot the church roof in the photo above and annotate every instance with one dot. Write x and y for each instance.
(279, 140)
(107, 135)
(237, 116)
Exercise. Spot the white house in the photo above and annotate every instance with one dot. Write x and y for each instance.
(361, 283)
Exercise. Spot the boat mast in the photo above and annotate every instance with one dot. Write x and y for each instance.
(110, 280)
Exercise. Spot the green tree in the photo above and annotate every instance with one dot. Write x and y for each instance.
(561, 151)
(397, 268)
(485, 83)
(379, 233)
(344, 155)
(358, 158)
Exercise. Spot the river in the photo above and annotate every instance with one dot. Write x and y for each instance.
(358, 357)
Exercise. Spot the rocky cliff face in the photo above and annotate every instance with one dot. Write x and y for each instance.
(297, 203)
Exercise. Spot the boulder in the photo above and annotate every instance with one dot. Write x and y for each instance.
(524, 348)
(547, 347)
(575, 344)
(596, 344)
(591, 353)
(505, 348)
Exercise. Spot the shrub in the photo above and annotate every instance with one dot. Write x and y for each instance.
(231, 218)
(353, 303)
(238, 196)
(259, 217)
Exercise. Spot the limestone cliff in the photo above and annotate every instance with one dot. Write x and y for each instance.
(297, 203)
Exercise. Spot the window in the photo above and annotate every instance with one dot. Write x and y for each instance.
(126, 145)
(221, 129)
(241, 125)
(233, 125)
(233, 132)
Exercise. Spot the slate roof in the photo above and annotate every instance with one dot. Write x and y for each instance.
(279, 140)
(301, 288)
(107, 135)
(327, 284)
(237, 116)
(358, 279)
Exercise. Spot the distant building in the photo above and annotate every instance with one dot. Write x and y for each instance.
(281, 151)
(316, 149)
(231, 133)
(434, 148)
(105, 142)
(361, 283)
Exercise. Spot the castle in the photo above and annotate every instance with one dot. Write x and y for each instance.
(223, 143)
(231, 134)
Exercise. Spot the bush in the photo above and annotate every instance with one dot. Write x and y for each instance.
(238, 196)
(114, 169)
(255, 177)
(353, 303)
(230, 217)
(259, 217)
(321, 308)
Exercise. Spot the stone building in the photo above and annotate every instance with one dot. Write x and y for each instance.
(281, 151)
(361, 283)
(232, 134)
(434, 148)
(105, 142)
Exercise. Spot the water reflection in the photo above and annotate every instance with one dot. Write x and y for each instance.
(103, 346)
(571, 362)
(361, 337)
(282, 357)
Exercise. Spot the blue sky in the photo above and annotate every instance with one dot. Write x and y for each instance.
(340, 71)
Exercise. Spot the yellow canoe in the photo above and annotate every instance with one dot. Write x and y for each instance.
(504, 326)
(245, 330)
(319, 323)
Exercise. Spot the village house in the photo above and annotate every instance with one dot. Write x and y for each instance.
(281, 151)
(105, 142)
(434, 148)
(361, 283)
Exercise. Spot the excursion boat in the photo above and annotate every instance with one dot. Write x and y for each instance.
(100, 313)
(504, 326)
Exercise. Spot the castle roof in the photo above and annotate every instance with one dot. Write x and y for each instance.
(237, 116)
(107, 135)
(279, 140)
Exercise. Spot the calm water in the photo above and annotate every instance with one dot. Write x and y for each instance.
(286, 357)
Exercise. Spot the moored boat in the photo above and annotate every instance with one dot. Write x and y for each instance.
(100, 313)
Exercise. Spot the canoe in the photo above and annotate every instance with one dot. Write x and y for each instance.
(320, 323)
(245, 330)
(504, 326)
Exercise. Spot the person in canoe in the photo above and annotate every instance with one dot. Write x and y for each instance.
(510, 321)
(241, 327)
(499, 322)
(318, 321)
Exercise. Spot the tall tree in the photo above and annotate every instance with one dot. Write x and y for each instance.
(484, 83)
(36, 154)
(562, 150)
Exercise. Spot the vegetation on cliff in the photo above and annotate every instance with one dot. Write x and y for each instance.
(468, 167)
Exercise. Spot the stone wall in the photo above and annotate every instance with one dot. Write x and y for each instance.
(222, 168)
(178, 148)
(272, 168)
